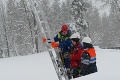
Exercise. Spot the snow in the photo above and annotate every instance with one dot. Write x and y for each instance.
(108, 66)
(32, 67)
(39, 67)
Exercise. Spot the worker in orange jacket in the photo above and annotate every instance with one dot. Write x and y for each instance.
(88, 58)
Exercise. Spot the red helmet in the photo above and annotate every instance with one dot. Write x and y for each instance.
(64, 27)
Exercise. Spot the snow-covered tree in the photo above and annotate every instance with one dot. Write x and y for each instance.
(20, 41)
(55, 17)
(106, 32)
(114, 24)
(95, 27)
(65, 15)
(78, 7)
(4, 45)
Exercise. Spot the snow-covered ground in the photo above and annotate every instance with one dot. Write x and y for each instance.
(32, 67)
(108, 66)
(39, 67)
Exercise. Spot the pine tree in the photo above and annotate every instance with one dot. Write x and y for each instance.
(78, 7)
(114, 21)
(19, 30)
(4, 45)
(106, 34)
(114, 25)
(65, 15)
(55, 16)
(95, 27)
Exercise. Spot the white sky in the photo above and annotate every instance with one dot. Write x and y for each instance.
(39, 67)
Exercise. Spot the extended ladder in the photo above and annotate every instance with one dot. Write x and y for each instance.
(41, 19)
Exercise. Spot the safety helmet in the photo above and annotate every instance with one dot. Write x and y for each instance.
(86, 40)
(64, 27)
(75, 37)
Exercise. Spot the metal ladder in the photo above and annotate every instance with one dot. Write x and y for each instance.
(41, 19)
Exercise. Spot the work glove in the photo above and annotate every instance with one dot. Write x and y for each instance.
(44, 39)
(54, 44)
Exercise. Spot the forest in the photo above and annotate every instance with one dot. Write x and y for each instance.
(21, 35)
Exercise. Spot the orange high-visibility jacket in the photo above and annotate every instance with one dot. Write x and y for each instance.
(92, 54)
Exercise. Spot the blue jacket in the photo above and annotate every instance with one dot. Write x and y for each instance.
(64, 41)
(61, 38)
(66, 46)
